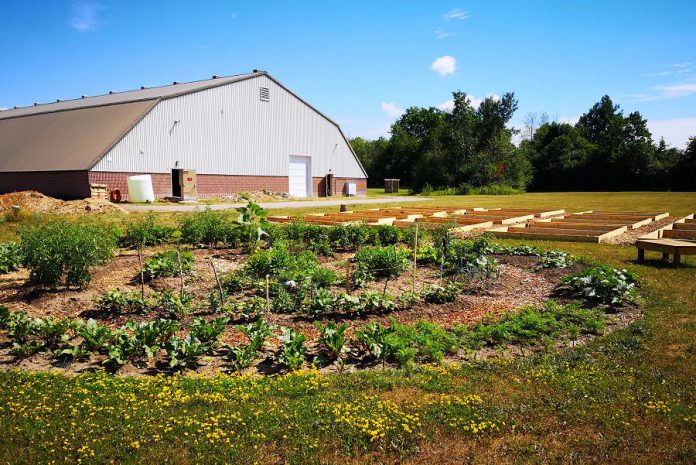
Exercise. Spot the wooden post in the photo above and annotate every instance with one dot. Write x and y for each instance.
(641, 255)
(217, 279)
(268, 295)
(142, 274)
(415, 260)
(181, 271)
(347, 277)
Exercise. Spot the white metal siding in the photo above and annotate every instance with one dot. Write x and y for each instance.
(229, 130)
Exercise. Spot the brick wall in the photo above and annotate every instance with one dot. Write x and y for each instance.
(219, 185)
(319, 186)
(61, 184)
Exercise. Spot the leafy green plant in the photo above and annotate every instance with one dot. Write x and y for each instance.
(427, 254)
(441, 294)
(10, 257)
(523, 250)
(252, 217)
(50, 331)
(209, 227)
(374, 337)
(387, 234)
(150, 336)
(243, 355)
(235, 282)
(385, 261)
(65, 251)
(208, 332)
(554, 259)
(185, 352)
(174, 304)
(95, 337)
(292, 349)
(247, 310)
(19, 327)
(350, 236)
(603, 284)
(167, 264)
(116, 301)
(147, 232)
(332, 338)
(376, 302)
(321, 303)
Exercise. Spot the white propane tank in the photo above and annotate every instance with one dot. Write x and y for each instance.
(140, 189)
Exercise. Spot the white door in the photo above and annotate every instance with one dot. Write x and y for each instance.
(300, 179)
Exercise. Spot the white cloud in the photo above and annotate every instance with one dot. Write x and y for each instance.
(457, 13)
(667, 92)
(444, 65)
(441, 33)
(3, 108)
(85, 15)
(392, 109)
(675, 131)
(448, 105)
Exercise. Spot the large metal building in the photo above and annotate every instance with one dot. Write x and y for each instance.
(232, 134)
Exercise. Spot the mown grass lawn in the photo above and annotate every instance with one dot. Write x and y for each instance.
(627, 397)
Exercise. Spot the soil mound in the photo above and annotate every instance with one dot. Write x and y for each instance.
(36, 202)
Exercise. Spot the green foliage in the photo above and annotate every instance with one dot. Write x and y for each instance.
(494, 188)
(147, 232)
(387, 261)
(252, 217)
(235, 282)
(332, 338)
(174, 304)
(208, 332)
(439, 295)
(292, 349)
(372, 302)
(95, 337)
(387, 234)
(59, 250)
(427, 254)
(554, 259)
(116, 301)
(167, 264)
(185, 352)
(10, 257)
(247, 310)
(522, 250)
(350, 236)
(209, 227)
(603, 284)
(50, 331)
(243, 355)
(308, 236)
(321, 303)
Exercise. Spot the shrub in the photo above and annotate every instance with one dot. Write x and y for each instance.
(58, 250)
(209, 228)
(427, 254)
(309, 236)
(604, 284)
(167, 264)
(10, 257)
(292, 348)
(387, 234)
(385, 261)
(323, 277)
(350, 236)
(147, 232)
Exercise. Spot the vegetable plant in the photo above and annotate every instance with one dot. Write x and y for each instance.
(292, 348)
(10, 257)
(167, 264)
(603, 284)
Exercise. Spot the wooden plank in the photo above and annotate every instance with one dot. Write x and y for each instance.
(536, 212)
(577, 226)
(677, 234)
(684, 226)
(654, 215)
(670, 246)
(544, 237)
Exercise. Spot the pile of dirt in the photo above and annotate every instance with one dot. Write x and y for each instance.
(261, 196)
(36, 202)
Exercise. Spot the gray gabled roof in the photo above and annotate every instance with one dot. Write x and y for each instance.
(112, 98)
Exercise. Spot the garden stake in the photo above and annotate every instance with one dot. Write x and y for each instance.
(415, 259)
(217, 279)
(268, 297)
(142, 275)
(348, 277)
(181, 271)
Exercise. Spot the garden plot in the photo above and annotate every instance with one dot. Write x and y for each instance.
(563, 230)
(220, 293)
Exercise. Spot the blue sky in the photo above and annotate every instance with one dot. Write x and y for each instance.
(362, 62)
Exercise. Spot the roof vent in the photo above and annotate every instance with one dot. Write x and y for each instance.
(264, 94)
(215, 76)
(175, 82)
(82, 96)
(142, 87)
(36, 104)
(111, 92)
(57, 100)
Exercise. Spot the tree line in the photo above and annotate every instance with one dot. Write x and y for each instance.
(471, 149)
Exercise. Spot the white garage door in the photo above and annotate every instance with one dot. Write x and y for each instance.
(300, 178)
